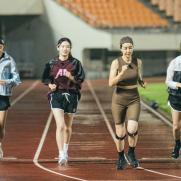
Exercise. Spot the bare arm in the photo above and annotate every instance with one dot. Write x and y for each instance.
(140, 74)
(2, 82)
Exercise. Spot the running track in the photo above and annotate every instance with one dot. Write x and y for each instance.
(30, 150)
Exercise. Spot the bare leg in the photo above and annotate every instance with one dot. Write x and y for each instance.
(120, 132)
(3, 116)
(132, 128)
(59, 119)
(120, 135)
(176, 118)
(67, 132)
(68, 127)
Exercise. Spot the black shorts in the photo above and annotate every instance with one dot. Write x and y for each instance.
(175, 102)
(4, 103)
(64, 100)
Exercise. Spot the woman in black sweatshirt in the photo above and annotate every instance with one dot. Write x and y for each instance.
(64, 76)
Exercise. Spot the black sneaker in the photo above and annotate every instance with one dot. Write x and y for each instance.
(132, 160)
(121, 163)
(175, 153)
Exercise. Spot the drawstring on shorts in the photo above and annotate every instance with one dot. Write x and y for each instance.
(66, 96)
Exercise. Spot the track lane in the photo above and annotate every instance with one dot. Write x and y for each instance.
(88, 148)
(92, 150)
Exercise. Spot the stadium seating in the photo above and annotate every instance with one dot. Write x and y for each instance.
(114, 13)
(169, 8)
(177, 11)
(154, 2)
(162, 5)
(172, 8)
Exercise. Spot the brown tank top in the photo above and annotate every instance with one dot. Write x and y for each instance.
(130, 77)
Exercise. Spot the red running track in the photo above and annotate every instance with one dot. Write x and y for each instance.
(30, 150)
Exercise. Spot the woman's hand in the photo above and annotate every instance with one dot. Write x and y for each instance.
(2, 82)
(144, 84)
(52, 87)
(69, 75)
(124, 68)
(178, 85)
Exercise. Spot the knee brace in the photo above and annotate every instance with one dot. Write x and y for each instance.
(120, 138)
(132, 134)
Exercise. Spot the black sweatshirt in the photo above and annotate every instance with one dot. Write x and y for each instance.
(54, 74)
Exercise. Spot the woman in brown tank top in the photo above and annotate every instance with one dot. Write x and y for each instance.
(125, 74)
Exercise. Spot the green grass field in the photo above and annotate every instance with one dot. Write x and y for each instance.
(156, 92)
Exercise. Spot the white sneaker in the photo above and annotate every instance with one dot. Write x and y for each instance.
(63, 159)
(1, 153)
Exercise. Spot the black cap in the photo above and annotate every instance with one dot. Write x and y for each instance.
(2, 42)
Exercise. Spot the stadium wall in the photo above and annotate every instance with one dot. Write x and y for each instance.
(64, 23)
(150, 41)
(32, 45)
(32, 41)
(21, 7)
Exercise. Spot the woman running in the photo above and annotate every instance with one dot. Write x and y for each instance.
(64, 76)
(125, 74)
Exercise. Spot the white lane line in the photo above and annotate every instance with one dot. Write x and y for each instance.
(160, 173)
(43, 137)
(15, 100)
(25, 93)
(37, 154)
(101, 110)
(112, 132)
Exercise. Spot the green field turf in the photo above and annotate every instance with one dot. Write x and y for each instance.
(156, 92)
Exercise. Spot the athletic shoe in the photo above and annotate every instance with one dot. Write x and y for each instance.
(175, 153)
(121, 163)
(63, 159)
(1, 153)
(132, 159)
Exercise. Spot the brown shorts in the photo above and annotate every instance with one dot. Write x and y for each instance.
(125, 105)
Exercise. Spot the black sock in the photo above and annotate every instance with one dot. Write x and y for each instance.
(131, 149)
(121, 154)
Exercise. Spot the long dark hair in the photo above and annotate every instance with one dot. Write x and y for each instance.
(69, 41)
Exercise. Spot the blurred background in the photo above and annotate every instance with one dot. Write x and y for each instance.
(31, 29)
